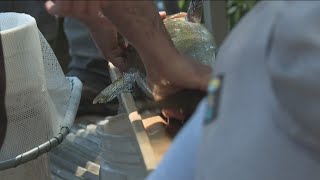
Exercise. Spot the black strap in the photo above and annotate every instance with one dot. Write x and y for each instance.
(3, 113)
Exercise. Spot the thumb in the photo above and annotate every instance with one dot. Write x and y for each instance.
(162, 14)
(58, 8)
(50, 7)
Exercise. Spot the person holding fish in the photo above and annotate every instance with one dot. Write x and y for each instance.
(163, 80)
(260, 119)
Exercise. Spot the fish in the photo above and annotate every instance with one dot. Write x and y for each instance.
(191, 39)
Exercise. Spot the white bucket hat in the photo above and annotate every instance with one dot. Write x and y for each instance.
(37, 102)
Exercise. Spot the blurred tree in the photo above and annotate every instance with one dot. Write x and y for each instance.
(237, 9)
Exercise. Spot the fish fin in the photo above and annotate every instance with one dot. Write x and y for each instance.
(194, 13)
(121, 85)
(105, 96)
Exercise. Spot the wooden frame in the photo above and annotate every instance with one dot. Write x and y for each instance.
(152, 145)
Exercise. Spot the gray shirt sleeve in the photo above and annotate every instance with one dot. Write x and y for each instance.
(294, 66)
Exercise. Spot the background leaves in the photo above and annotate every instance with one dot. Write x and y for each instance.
(236, 9)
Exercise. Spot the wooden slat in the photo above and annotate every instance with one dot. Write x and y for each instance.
(159, 138)
(78, 155)
(153, 143)
(72, 168)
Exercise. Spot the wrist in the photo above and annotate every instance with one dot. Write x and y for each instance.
(159, 59)
(94, 23)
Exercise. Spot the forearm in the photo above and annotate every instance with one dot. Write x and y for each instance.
(140, 23)
(104, 34)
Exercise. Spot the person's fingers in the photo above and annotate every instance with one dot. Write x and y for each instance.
(117, 59)
(179, 15)
(123, 43)
(173, 114)
(120, 63)
(65, 7)
(199, 75)
(103, 4)
(80, 7)
(116, 52)
(162, 14)
(95, 8)
(51, 7)
(60, 8)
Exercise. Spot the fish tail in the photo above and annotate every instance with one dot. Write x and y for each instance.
(121, 85)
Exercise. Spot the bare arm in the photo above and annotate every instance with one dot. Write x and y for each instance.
(140, 23)
(103, 30)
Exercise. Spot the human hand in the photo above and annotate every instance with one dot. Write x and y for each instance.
(181, 74)
(102, 30)
(167, 70)
(113, 47)
(151, 41)
(82, 10)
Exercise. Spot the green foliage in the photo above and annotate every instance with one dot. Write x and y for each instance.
(236, 9)
(183, 5)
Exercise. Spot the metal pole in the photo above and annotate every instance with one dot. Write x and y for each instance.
(215, 19)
